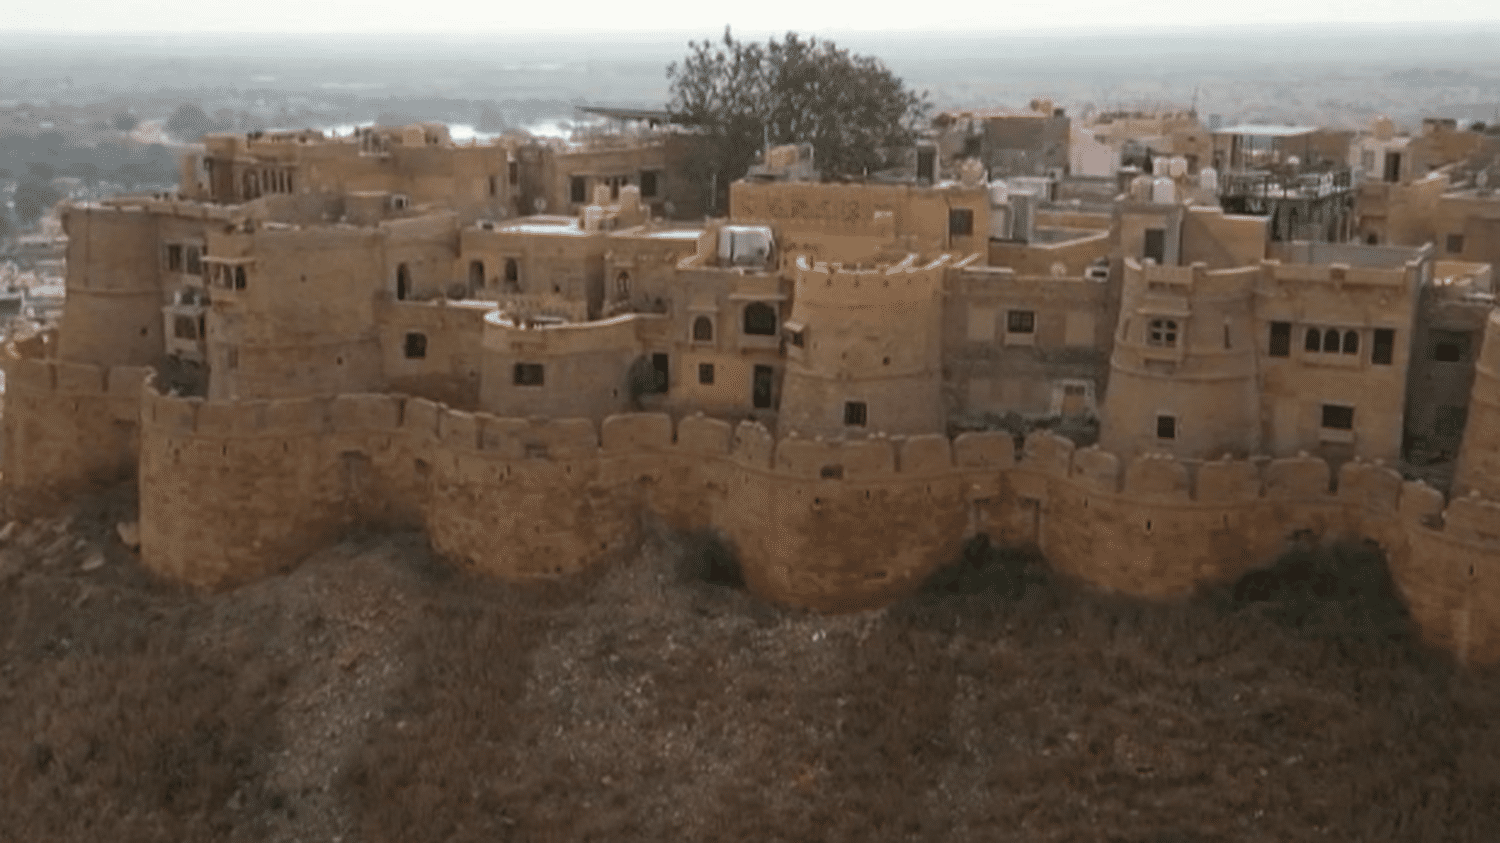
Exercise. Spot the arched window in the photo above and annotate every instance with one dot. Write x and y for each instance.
(1314, 340)
(1351, 342)
(703, 329)
(622, 286)
(403, 282)
(760, 319)
(476, 275)
(512, 273)
(1331, 340)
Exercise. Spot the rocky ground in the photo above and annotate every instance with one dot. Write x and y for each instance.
(374, 694)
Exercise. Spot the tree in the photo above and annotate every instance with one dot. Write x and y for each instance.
(851, 108)
(189, 123)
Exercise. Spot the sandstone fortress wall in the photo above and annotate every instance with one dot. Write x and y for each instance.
(231, 491)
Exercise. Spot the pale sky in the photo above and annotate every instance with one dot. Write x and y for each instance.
(706, 17)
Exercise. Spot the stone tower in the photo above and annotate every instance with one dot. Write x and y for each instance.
(863, 350)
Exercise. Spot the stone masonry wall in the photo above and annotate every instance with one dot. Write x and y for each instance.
(232, 491)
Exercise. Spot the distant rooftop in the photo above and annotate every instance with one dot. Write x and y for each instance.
(1266, 130)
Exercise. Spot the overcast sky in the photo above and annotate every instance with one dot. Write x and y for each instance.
(700, 17)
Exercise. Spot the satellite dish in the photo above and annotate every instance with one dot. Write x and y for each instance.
(539, 203)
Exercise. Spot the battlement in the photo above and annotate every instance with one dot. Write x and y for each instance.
(835, 285)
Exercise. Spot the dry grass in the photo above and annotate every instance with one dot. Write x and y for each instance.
(375, 695)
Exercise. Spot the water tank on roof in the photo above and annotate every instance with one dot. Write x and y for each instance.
(1208, 180)
(1163, 191)
(745, 245)
(999, 193)
(1177, 167)
(1140, 188)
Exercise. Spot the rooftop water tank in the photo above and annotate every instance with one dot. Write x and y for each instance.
(1177, 167)
(745, 245)
(1208, 180)
(999, 193)
(1163, 191)
(1140, 188)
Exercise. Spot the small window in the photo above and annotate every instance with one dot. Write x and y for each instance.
(960, 222)
(416, 346)
(1155, 246)
(831, 472)
(703, 329)
(706, 374)
(1450, 346)
(476, 275)
(1227, 343)
(648, 184)
(185, 328)
(1331, 341)
(1455, 244)
(797, 338)
(578, 189)
(513, 172)
(1162, 333)
(854, 413)
(1314, 341)
(174, 257)
(194, 263)
(1281, 339)
(1020, 321)
(529, 374)
(662, 365)
(403, 282)
(494, 185)
(622, 286)
(1338, 417)
(760, 319)
(232, 358)
(239, 278)
(1384, 347)
(1166, 427)
(512, 271)
(1351, 342)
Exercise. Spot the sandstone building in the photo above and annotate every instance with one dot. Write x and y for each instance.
(846, 380)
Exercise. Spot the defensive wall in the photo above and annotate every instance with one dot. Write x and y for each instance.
(231, 491)
(66, 425)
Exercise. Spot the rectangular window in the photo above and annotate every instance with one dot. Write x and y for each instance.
(494, 185)
(854, 413)
(1162, 333)
(1166, 427)
(1155, 246)
(1383, 350)
(706, 373)
(513, 172)
(960, 222)
(761, 385)
(648, 184)
(1020, 321)
(578, 189)
(1450, 346)
(1338, 417)
(1281, 339)
(194, 264)
(1367, 160)
(232, 358)
(174, 257)
(529, 374)
(185, 328)
(1455, 244)
(416, 346)
(662, 364)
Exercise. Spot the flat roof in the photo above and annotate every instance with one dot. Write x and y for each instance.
(1266, 130)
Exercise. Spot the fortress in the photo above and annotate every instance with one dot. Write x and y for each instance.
(845, 380)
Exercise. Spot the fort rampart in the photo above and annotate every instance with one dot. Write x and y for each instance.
(67, 425)
(231, 491)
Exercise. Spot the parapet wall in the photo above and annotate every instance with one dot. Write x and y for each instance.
(235, 490)
(68, 426)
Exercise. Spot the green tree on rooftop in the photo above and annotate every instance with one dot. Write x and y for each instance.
(856, 114)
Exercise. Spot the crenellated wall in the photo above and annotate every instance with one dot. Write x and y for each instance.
(235, 490)
(68, 425)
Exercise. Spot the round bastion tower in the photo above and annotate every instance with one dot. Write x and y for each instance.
(863, 351)
(1182, 378)
(1479, 455)
(115, 287)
